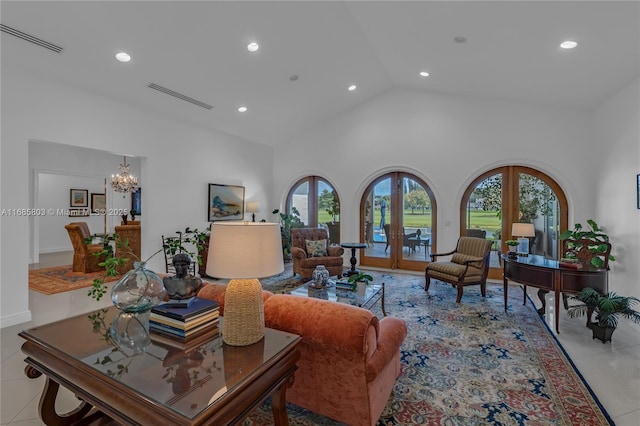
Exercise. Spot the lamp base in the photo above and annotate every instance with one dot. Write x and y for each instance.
(243, 322)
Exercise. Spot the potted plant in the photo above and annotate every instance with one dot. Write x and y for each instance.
(191, 237)
(288, 221)
(608, 308)
(591, 245)
(359, 282)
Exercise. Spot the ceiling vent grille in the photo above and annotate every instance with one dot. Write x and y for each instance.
(179, 95)
(31, 39)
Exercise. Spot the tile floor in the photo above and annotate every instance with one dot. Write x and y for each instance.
(612, 370)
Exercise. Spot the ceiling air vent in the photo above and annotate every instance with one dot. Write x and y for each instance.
(30, 38)
(179, 95)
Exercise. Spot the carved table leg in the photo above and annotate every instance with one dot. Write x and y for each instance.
(279, 403)
(541, 295)
(47, 406)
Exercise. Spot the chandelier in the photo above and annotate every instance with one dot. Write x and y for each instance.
(123, 181)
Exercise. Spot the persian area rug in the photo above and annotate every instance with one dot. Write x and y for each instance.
(284, 281)
(60, 279)
(471, 363)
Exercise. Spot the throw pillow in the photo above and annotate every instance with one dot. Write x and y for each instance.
(317, 248)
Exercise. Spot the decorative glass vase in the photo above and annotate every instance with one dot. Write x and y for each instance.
(320, 276)
(138, 290)
(130, 332)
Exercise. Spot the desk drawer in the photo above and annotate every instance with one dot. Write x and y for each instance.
(535, 277)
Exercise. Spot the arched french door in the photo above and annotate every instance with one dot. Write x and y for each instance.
(514, 194)
(318, 204)
(398, 222)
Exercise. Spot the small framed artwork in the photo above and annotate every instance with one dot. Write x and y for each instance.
(98, 203)
(226, 202)
(638, 186)
(136, 201)
(79, 198)
(78, 212)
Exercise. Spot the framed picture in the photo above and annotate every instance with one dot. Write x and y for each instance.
(638, 186)
(78, 212)
(136, 201)
(79, 198)
(98, 203)
(226, 202)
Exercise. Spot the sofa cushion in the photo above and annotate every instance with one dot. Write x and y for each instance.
(316, 248)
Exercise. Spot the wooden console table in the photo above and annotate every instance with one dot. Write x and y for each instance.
(210, 384)
(547, 275)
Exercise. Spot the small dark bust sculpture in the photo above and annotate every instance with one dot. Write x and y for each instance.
(182, 286)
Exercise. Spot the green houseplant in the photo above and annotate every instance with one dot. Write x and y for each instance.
(608, 309)
(360, 277)
(188, 238)
(334, 226)
(590, 245)
(288, 221)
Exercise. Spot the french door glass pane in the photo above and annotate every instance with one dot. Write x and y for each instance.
(538, 204)
(378, 219)
(416, 219)
(484, 214)
(300, 200)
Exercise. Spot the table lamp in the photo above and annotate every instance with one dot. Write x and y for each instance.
(253, 207)
(523, 231)
(244, 252)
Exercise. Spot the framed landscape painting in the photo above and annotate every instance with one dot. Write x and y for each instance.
(98, 203)
(226, 202)
(79, 198)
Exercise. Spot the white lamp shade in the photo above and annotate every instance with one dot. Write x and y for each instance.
(244, 250)
(523, 230)
(253, 207)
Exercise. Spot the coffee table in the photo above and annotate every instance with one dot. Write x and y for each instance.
(371, 296)
(212, 383)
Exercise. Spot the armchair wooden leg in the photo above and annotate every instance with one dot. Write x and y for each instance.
(483, 289)
(427, 282)
(460, 290)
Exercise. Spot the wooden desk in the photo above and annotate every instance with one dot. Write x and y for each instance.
(211, 384)
(546, 275)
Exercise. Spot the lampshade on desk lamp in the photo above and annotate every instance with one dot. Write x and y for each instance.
(244, 251)
(253, 207)
(523, 231)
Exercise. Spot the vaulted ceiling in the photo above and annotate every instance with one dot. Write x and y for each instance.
(311, 51)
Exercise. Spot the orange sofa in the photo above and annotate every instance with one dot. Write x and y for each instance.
(349, 360)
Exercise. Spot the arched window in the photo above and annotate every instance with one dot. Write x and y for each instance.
(506, 195)
(318, 204)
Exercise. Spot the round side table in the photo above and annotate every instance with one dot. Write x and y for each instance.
(354, 260)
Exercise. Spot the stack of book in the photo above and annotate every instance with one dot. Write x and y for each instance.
(198, 322)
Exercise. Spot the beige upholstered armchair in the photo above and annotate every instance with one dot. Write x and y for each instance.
(307, 257)
(83, 258)
(469, 265)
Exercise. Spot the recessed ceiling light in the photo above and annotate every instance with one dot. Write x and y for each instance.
(242, 109)
(569, 44)
(424, 74)
(253, 46)
(351, 88)
(123, 57)
(460, 39)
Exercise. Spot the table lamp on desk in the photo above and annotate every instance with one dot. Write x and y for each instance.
(523, 231)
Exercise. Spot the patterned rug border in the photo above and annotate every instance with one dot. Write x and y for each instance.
(60, 279)
(573, 365)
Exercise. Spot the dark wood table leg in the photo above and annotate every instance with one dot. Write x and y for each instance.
(541, 294)
(47, 407)
(353, 261)
(384, 312)
(279, 403)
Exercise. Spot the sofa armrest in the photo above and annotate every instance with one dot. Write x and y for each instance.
(335, 250)
(298, 253)
(392, 333)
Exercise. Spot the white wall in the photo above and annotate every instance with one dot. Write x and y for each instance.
(178, 162)
(447, 141)
(618, 141)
